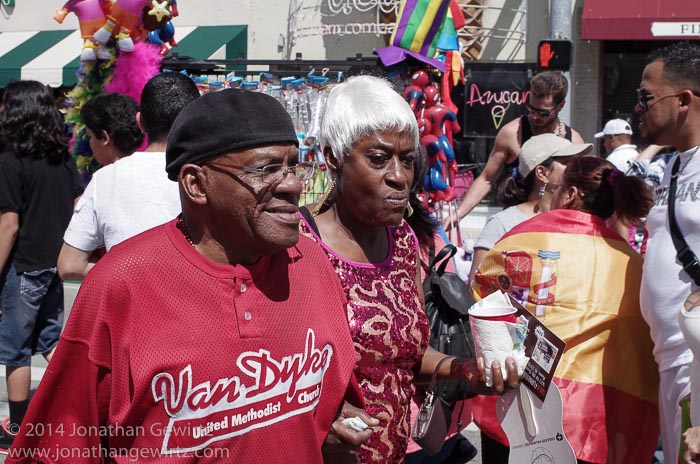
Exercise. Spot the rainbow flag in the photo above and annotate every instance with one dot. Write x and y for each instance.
(583, 280)
(416, 33)
(447, 39)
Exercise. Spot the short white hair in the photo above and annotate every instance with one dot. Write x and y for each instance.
(360, 106)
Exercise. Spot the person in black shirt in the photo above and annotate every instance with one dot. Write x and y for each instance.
(39, 183)
(547, 97)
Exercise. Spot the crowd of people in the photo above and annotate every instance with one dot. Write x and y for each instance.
(217, 321)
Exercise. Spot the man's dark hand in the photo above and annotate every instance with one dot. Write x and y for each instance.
(343, 441)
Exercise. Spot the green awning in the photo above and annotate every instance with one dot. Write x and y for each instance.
(52, 57)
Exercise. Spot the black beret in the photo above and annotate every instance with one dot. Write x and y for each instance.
(225, 121)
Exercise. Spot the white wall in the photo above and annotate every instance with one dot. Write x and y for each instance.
(32, 15)
(266, 20)
(269, 19)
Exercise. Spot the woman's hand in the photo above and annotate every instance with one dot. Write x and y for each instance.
(500, 385)
(475, 373)
(470, 370)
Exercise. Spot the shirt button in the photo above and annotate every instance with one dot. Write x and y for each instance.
(247, 316)
(243, 288)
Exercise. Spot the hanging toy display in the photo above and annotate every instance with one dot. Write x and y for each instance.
(161, 31)
(443, 120)
(437, 122)
(102, 68)
(414, 96)
(434, 181)
(91, 17)
(312, 152)
(123, 18)
(454, 74)
(413, 93)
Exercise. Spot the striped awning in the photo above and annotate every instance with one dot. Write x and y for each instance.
(52, 57)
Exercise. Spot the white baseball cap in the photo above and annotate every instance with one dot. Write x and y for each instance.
(615, 127)
(541, 147)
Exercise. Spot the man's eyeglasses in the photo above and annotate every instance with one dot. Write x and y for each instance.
(274, 172)
(643, 98)
(540, 112)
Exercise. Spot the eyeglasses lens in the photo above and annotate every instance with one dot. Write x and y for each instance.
(274, 172)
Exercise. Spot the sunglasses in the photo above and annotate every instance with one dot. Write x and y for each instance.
(644, 97)
(540, 112)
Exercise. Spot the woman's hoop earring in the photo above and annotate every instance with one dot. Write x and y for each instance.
(324, 199)
(542, 190)
(409, 209)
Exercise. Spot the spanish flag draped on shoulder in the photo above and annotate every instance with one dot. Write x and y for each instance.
(582, 280)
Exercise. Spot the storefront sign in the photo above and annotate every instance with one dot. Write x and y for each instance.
(334, 8)
(344, 29)
(492, 98)
(347, 7)
(675, 29)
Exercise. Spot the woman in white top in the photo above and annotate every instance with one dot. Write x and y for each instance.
(528, 191)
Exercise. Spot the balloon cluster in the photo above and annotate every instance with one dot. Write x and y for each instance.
(437, 122)
(127, 20)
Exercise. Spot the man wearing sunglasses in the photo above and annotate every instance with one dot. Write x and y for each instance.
(220, 336)
(668, 107)
(547, 97)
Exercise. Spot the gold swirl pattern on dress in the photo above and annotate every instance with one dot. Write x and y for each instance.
(391, 333)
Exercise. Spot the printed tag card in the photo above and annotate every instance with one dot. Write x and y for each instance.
(543, 348)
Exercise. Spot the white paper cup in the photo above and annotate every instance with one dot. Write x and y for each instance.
(495, 335)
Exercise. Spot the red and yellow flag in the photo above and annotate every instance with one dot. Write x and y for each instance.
(582, 280)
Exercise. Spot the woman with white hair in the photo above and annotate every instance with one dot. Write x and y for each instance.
(370, 137)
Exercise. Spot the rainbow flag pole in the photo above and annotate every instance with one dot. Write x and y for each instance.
(416, 33)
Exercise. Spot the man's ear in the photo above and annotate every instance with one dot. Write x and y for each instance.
(193, 181)
(139, 123)
(685, 97)
(105, 139)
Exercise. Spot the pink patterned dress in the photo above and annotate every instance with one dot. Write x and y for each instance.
(390, 331)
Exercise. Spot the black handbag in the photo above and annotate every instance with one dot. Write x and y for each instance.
(447, 300)
(433, 420)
